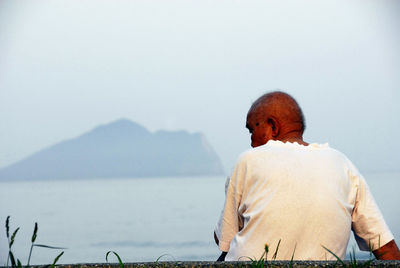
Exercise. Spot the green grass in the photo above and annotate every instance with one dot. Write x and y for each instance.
(121, 264)
(15, 262)
(263, 260)
(353, 262)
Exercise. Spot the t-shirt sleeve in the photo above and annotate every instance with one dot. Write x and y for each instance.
(368, 224)
(229, 222)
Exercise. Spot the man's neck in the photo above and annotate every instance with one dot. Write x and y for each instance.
(293, 136)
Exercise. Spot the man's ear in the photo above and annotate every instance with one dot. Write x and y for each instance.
(274, 124)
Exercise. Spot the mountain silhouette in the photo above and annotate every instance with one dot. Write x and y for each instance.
(120, 149)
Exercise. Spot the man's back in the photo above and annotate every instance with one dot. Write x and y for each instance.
(305, 196)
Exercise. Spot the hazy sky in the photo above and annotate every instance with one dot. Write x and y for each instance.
(68, 66)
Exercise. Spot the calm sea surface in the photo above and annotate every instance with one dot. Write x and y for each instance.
(140, 219)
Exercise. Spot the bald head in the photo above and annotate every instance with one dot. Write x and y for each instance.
(275, 115)
(279, 105)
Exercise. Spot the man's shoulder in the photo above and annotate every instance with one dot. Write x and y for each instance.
(335, 153)
(276, 147)
(251, 153)
(254, 154)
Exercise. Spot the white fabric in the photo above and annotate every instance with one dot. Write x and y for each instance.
(306, 196)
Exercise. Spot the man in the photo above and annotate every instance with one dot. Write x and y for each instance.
(304, 197)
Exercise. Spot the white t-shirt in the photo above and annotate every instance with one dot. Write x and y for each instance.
(305, 196)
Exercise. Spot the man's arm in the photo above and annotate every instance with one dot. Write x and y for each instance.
(390, 251)
(216, 239)
(229, 223)
(223, 254)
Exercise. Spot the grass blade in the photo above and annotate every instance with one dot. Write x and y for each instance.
(13, 264)
(35, 230)
(8, 237)
(158, 259)
(8, 226)
(19, 264)
(291, 260)
(276, 250)
(13, 237)
(339, 259)
(45, 246)
(370, 249)
(353, 261)
(242, 257)
(56, 259)
(29, 257)
(367, 263)
(121, 265)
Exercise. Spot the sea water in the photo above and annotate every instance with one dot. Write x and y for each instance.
(141, 219)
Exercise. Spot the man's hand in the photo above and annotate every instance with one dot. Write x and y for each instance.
(222, 257)
(390, 251)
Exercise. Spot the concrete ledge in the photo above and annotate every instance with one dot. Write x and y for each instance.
(205, 264)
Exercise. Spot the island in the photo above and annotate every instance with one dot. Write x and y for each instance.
(119, 149)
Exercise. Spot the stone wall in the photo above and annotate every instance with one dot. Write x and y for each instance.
(180, 264)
